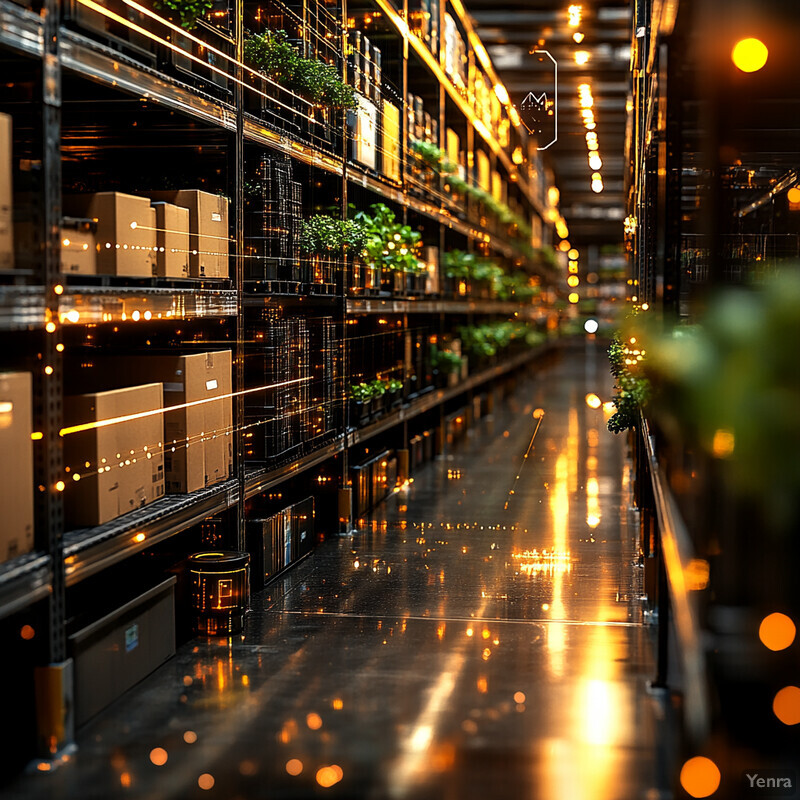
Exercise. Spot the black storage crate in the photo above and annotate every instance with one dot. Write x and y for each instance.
(276, 542)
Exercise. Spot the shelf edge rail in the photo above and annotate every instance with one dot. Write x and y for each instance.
(677, 599)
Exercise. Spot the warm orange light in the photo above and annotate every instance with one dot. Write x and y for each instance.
(158, 755)
(190, 737)
(140, 537)
(777, 631)
(329, 776)
(593, 401)
(519, 697)
(793, 195)
(338, 705)
(564, 246)
(206, 781)
(294, 766)
(538, 413)
(723, 444)
(314, 721)
(750, 55)
(27, 632)
(486, 634)
(60, 486)
(574, 297)
(786, 705)
(700, 777)
(573, 281)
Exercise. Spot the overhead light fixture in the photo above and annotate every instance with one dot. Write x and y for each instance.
(597, 186)
(581, 57)
(595, 162)
(577, 37)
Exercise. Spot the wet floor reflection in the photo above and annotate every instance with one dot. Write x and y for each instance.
(467, 642)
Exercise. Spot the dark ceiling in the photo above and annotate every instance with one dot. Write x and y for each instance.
(510, 29)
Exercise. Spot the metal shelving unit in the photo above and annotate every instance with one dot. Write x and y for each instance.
(50, 308)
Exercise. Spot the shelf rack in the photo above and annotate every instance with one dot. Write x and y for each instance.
(62, 56)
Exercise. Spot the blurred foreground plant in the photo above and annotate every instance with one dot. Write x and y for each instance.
(732, 385)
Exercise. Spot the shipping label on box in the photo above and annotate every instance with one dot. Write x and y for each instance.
(172, 240)
(6, 194)
(126, 231)
(125, 455)
(16, 464)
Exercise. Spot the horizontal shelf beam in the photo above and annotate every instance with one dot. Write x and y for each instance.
(23, 581)
(91, 550)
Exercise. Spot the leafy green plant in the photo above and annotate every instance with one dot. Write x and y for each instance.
(390, 244)
(631, 389)
(484, 341)
(730, 386)
(189, 11)
(318, 82)
(323, 235)
(446, 361)
(366, 391)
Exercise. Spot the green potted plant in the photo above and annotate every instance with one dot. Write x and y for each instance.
(361, 402)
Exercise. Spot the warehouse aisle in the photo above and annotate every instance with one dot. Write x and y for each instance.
(454, 648)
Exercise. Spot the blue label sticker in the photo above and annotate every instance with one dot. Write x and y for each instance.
(131, 638)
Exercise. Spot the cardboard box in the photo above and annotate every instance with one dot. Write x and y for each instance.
(126, 231)
(126, 462)
(198, 440)
(172, 240)
(16, 464)
(6, 194)
(78, 246)
(208, 229)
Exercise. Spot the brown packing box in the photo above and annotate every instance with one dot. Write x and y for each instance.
(128, 480)
(208, 226)
(16, 464)
(78, 246)
(126, 231)
(6, 194)
(172, 239)
(200, 434)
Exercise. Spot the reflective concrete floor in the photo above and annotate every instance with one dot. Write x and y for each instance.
(480, 638)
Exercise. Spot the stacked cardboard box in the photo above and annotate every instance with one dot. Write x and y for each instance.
(118, 454)
(16, 464)
(172, 240)
(126, 231)
(208, 230)
(198, 439)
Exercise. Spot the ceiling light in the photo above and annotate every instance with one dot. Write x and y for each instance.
(595, 162)
(574, 14)
(597, 186)
(581, 57)
(577, 37)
